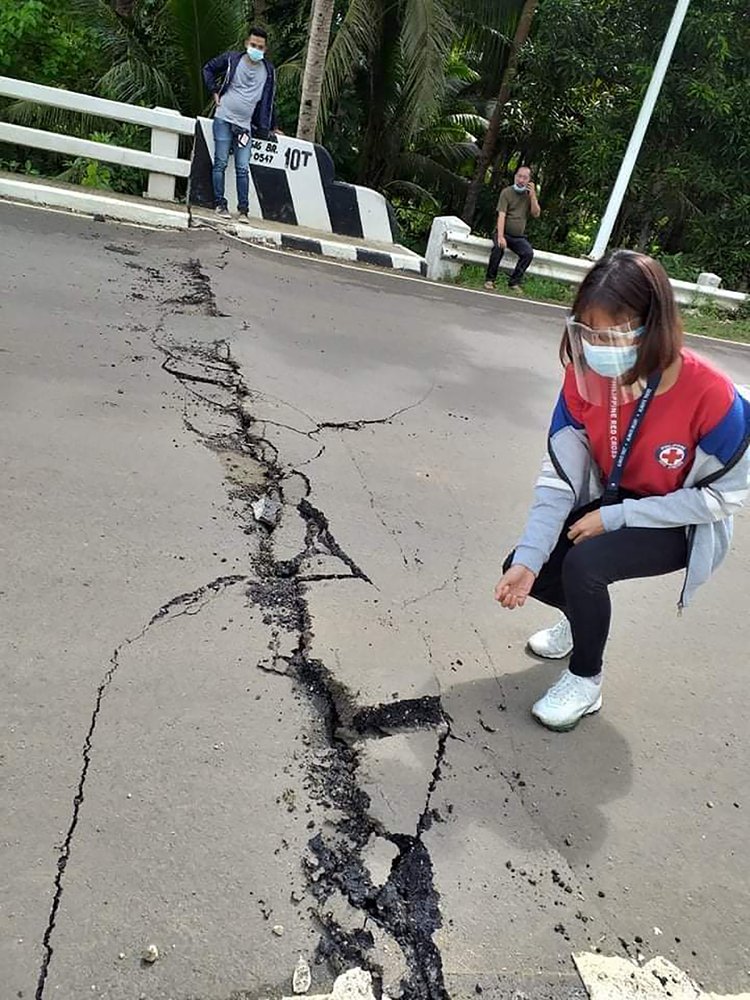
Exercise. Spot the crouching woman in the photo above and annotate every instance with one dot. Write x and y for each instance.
(647, 462)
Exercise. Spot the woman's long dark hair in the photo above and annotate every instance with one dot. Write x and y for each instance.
(629, 283)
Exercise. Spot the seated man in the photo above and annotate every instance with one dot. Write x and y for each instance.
(516, 201)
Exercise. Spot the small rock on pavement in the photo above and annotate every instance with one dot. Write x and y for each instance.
(302, 977)
(278, 930)
(267, 510)
(150, 954)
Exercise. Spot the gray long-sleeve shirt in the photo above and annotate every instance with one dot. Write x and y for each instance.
(238, 102)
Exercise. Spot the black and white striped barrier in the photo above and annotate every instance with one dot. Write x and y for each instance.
(399, 259)
(293, 182)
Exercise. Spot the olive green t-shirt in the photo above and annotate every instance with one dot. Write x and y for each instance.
(516, 208)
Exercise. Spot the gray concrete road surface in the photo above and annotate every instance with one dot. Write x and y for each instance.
(243, 744)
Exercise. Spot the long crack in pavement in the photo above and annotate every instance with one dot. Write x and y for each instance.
(188, 603)
(357, 918)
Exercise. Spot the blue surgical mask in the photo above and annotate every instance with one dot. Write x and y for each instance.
(611, 362)
(520, 188)
(255, 54)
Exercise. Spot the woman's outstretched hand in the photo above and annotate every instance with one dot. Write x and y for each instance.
(514, 587)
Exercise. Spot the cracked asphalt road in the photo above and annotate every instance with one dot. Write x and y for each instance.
(213, 731)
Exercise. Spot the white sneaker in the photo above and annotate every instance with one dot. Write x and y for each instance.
(567, 701)
(553, 643)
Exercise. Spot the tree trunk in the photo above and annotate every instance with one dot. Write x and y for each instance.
(124, 8)
(260, 13)
(490, 140)
(315, 64)
(380, 141)
(644, 235)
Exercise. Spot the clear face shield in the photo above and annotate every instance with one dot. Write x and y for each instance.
(601, 359)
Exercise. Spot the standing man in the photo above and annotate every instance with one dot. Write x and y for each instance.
(516, 202)
(243, 85)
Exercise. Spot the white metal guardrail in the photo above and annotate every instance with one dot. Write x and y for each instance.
(451, 245)
(162, 162)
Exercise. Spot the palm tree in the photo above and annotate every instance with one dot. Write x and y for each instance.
(434, 166)
(394, 52)
(523, 28)
(158, 60)
(312, 81)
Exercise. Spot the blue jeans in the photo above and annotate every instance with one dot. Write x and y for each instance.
(225, 141)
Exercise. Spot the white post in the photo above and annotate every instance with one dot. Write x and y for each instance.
(636, 139)
(161, 186)
(708, 280)
(438, 268)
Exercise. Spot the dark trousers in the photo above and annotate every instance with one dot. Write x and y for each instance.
(575, 579)
(520, 247)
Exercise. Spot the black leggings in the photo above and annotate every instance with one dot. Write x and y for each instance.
(575, 579)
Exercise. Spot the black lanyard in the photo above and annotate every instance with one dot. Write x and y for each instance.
(612, 491)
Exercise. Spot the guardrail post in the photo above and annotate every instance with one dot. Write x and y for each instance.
(708, 281)
(438, 268)
(161, 186)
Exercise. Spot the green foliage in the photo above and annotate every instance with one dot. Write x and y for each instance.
(414, 211)
(26, 167)
(394, 55)
(719, 324)
(580, 88)
(39, 42)
(94, 174)
(109, 176)
(203, 29)
(534, 287)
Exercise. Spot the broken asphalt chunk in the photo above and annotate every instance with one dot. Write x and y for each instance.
(267, 510)
(356, 984)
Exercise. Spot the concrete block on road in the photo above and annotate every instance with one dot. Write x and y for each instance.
(377, 658)
(610, 976)
(388, 956)
(338, 911)
(289, 537)
(356, 984)
(396, 773)
(378, 857)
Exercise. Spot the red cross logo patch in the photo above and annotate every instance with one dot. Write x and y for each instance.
(671, 456)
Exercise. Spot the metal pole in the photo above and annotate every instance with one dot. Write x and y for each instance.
(636, 139)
